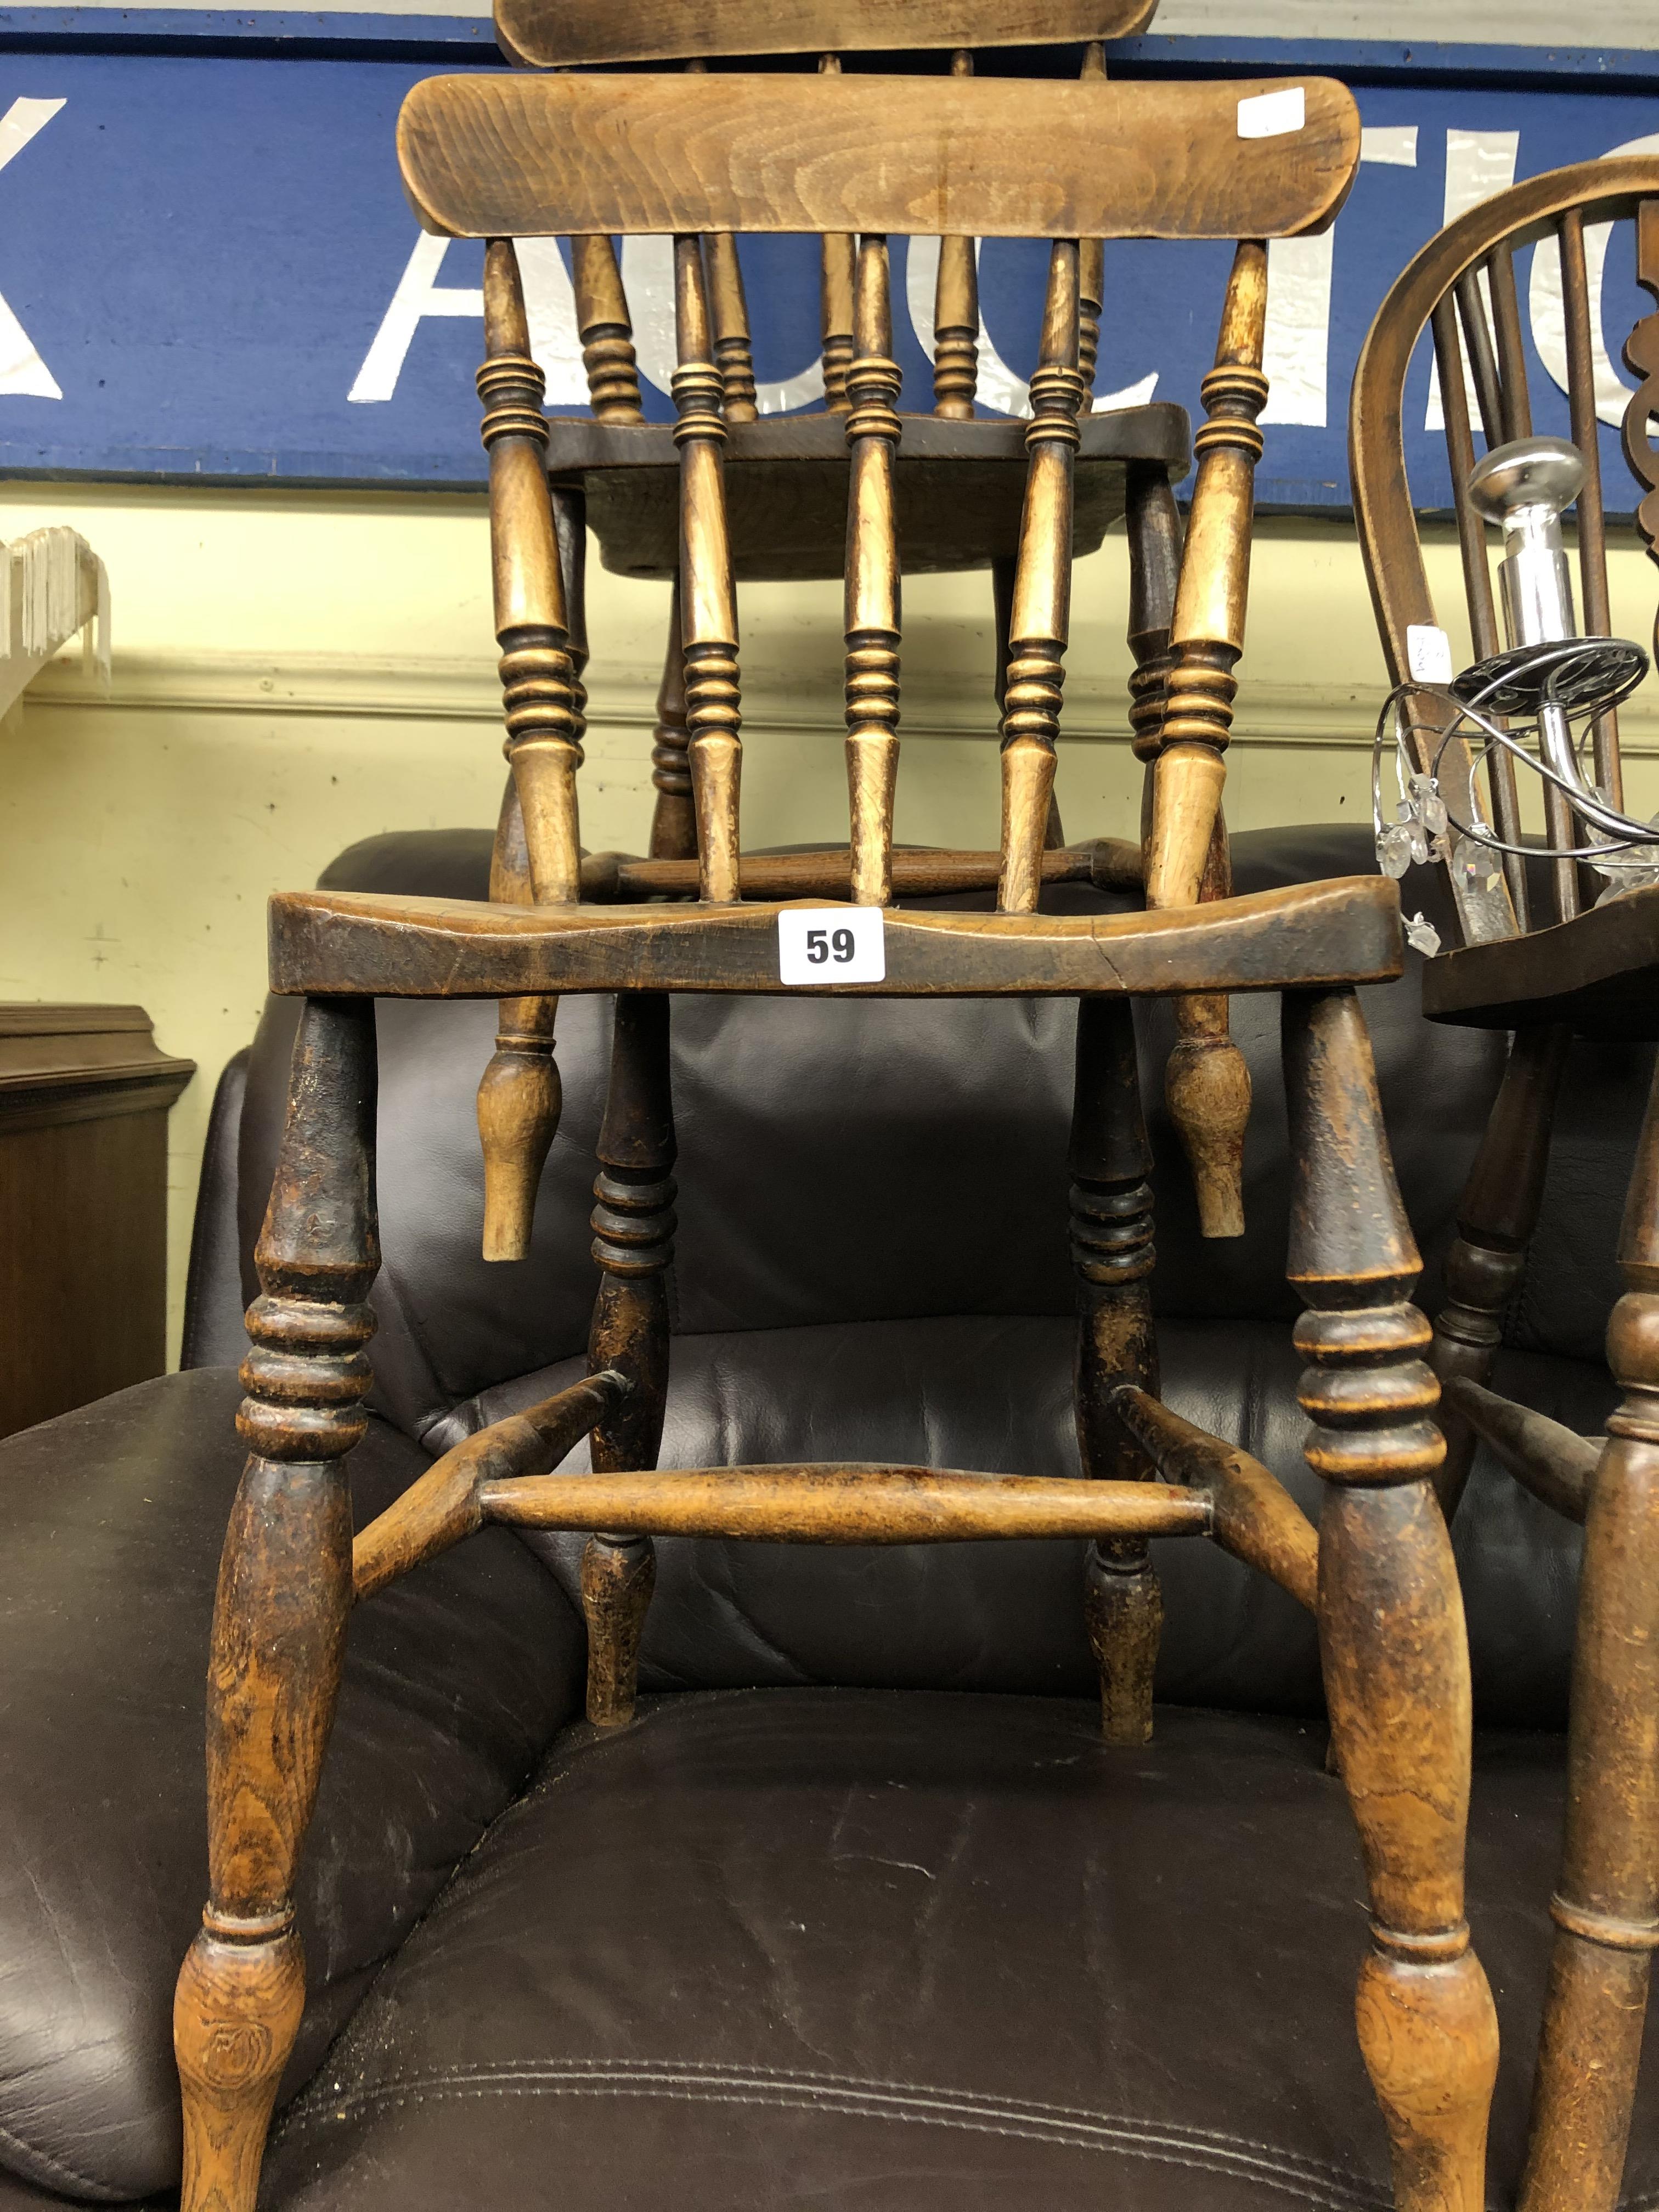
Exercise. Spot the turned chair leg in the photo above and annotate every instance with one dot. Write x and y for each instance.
(1393, 1642)
(1495, 1223)
(1607, 1906)
(674, 819)
(634, 1244)
(1112, 1255)
(285, 1592)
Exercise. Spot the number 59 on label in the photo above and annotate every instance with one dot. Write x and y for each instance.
(831, 944)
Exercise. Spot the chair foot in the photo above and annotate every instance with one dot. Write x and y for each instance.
(235, 2014)
(1429, 2037)
(618, 1575)
(1123, 1608)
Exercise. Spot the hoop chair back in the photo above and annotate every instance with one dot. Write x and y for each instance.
(1462, 286)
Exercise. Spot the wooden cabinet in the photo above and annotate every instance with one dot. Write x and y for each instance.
(84, 1094)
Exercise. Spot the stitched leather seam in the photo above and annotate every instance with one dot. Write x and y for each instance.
(43, 2161)
(968, 2111)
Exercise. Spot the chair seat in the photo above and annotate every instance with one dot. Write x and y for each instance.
(905, 1950)
(960, 487)
(1304, 934)
(1599, 972)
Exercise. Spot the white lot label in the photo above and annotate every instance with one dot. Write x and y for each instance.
(831, 944)
(1271, 114)
(1428, 653)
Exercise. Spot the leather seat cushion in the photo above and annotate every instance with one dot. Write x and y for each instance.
(897, 1951)
(456, 1681)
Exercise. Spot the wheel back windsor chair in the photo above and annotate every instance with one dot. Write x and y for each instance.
(957, 486)
(501, 158)
(1574, 967)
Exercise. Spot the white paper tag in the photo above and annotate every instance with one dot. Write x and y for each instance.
(831, 944)
(1428, 653)
(1271, 114)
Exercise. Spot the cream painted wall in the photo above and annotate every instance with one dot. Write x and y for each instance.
(295, 670)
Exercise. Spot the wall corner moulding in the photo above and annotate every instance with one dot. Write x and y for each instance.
(173, 311)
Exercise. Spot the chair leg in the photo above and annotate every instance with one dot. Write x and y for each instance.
(674, 820)
(1393, 1641)
(1495, 1222)
(1607, 1906)
(284, 1593)
(634, 1244)
(1112, 1255)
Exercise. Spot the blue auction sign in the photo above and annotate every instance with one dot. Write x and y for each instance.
(208, 268)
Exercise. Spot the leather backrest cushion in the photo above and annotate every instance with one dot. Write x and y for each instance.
(839, 1160)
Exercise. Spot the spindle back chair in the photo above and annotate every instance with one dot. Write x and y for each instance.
(1549, 970)
(501, 158)
(960, 486)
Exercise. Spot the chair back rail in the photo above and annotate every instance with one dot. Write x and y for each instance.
(549, 156)
(558, 34)
(1463, 284)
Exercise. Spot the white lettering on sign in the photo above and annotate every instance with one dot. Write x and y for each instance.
(549, 308)
(1296, 351)
(22, 370)
(1549, 328)
(1394, 144)
(831, 944)
(1480, 164)
(1428, 653)
(1272, 114)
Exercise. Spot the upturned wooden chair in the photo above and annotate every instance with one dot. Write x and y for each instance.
(500, 158)
(958, 479)
(1550, 969)
(957, 485)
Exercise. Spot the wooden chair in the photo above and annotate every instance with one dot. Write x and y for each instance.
(505, 157)
(1576, 968)
(958, 489)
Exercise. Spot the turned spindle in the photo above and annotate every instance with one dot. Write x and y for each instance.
(836, 250)
(956, 312)
(605, 330)
(1207, 1086)
(871, 595)
(538, 678)
(1207, 630)
(519, 1096)
(1112, 1256)
(633, 1245)
(1039, 621)
(279, 1622)
(1393, 1642)
(538, 857)
(708, 604)
(1091, 265)
(673, 819)
(734, 350)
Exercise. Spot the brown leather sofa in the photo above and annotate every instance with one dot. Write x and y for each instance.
(860, 1914)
